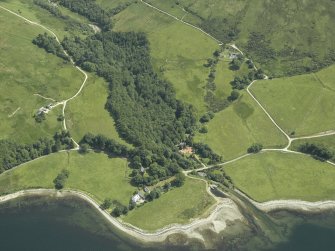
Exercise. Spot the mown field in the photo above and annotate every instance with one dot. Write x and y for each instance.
(94, 173)
(234, 129)
(327, 141)
(301, 105)
(276, 175)
(179, 205)
(25, 71)
(284, 44)
(178, 51)
(87, 112)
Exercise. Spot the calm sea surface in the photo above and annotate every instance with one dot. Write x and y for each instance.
(37, 223)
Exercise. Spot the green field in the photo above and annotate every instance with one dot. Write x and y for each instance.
(178, 51)
(87, 113)
(177, 206)
(234, 129)
(276, 175)
(25, 71)
(301, 104)
(94, 173)
(327, 141)
(288, 45)
(102, 177)
(29, 10)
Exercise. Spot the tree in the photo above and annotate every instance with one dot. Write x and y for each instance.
(255, 148)
(179, 179)
(84, 148)
(236, 63)
(61, 178)
(119, 210)
(106, 204)
(203, 129)
(234, 95)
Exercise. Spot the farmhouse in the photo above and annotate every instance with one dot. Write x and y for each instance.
(138, 198)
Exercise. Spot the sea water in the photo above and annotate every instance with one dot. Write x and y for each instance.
(42, 223)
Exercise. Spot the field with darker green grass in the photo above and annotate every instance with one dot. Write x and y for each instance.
(236, 128)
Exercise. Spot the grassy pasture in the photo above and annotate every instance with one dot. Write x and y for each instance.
(301, 104)
(177, 206)
(327, 141)
(276, 175)
(178, 51)
(87, 112)
(28, 9)
(237, 127)
(25, 71)
(297, 46)
(93, 173)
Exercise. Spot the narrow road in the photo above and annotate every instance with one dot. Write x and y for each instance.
(64, 102)
(289, 139)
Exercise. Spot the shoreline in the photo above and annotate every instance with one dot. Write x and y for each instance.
(290, 204)
(224, 211)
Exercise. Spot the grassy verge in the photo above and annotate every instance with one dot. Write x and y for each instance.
(177, 206)
(275, 175)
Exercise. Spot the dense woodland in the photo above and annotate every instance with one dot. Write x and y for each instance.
(143, 105)
(13, 154)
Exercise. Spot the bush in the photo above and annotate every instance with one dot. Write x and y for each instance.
(318, 151)
(61, 178)
(203, 129)
(234, 95)
(180, 180)
(255, 148)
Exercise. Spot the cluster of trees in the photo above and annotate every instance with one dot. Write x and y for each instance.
(205, 152)
(91, 10)
(218, 175)
(159, 164)
(13, 154)
(318, 151)
(214, 102)
(49, 7)
(255, 148)
(260, 48)
(236, 63)
(72, 25)
(241, 82)
(222, 28)
(61, 178)
(207, 117)
(50, 44)
(144, 106)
